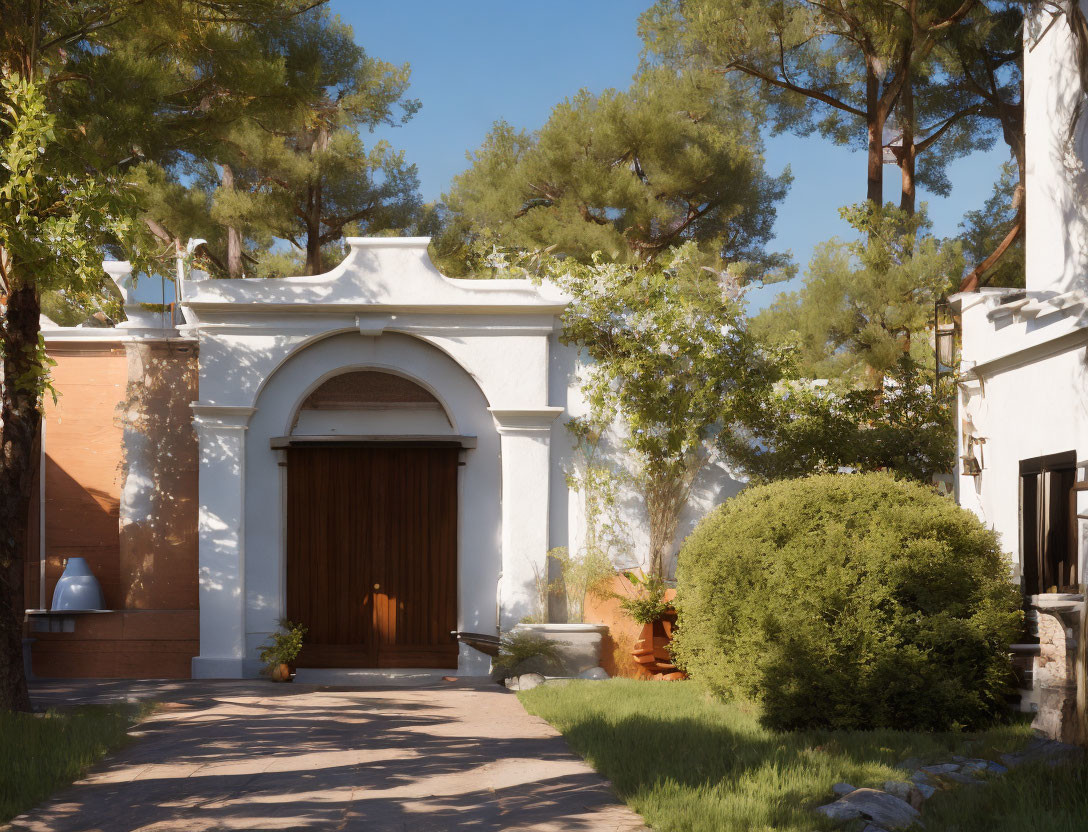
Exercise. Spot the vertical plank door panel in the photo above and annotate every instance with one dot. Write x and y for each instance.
(372, 555)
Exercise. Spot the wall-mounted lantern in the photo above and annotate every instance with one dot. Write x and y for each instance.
(972, 464)
(944, 338)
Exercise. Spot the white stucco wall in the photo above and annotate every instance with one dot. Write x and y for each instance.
(1057, 183)
(489, 353)
(1024, 392)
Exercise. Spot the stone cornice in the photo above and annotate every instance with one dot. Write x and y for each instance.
(535, 420)
(384, 273)
(221, 416)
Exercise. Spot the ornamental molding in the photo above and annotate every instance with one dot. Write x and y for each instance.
(221, 416)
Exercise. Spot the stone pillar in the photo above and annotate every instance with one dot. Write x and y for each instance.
(525, 443)
(221, 431)
(1055, 669)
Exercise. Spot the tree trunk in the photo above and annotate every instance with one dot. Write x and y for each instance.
(875, 126)
(973, 280)
(19, 431)
(909, 152)
(234, 239)
(313, 248)
(666, 493)
(315, 209)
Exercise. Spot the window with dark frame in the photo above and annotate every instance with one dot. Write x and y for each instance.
(1048, 557)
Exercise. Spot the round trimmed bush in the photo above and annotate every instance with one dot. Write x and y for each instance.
(849, 601)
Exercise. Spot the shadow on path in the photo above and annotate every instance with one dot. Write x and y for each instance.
(251, 755)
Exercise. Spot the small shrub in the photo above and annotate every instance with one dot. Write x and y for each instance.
(284, 646)
(523, 651)
(648, 604)
(849, 601)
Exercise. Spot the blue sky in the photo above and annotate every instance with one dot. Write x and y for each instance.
(476, 61)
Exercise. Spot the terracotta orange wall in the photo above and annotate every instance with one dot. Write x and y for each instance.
(83, 466)
(623, 632)
(150, 634)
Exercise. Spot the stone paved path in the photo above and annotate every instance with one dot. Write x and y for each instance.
(229, 755)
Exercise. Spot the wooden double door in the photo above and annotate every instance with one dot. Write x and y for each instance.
(372, 554)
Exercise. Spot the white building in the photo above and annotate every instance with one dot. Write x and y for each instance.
(1023, 408)
(382, 456)
(1024, 397)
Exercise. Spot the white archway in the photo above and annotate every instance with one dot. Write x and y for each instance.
(481, 346)
(479, 509)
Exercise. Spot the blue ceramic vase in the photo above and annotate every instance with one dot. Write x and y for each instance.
(77, 588)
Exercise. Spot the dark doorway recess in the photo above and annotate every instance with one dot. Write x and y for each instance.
(1048, 557)
(372, 554)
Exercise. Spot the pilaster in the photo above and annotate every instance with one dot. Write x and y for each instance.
(221, 432)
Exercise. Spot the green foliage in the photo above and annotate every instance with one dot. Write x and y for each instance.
(800, 427)
(522, 651)
(648, 604)
(688, 762)
(849, 601)
(292, 163)
(54, 217)
(984, 229)
(580, 573)
(942, 69)
(672, 359)
(284, 645)
(45, 752)
(862, 321)
(867, 302)
(625, 176)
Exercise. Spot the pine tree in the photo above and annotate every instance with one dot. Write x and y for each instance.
(841, 69)
(293, 164)
(676, 158)
(867, 303)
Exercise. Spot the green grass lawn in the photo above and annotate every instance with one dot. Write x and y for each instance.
(40, 753)
(686, 761)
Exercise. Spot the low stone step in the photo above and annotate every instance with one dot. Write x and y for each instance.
(371, 677)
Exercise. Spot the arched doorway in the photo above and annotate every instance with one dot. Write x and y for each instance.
(371, 524)
(371, 527)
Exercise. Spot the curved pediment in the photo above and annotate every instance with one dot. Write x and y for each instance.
(387, 272)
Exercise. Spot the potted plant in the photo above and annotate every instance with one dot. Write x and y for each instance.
(282, 649)
(578, 643)
(523, 651)
(649, 608)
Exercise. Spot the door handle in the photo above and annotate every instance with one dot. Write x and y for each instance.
(377, 586)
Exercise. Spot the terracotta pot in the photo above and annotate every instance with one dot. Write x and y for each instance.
(280, 673)
(652, 648)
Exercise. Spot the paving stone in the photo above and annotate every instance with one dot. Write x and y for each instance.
(526, 681)
(882, 808)
(926, 791)
(964, 779)
(899, 788)
(941, 768)
(839, 811)
(1043, 750)
(258, 756)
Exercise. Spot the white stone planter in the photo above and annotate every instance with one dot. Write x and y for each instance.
(579, 644)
